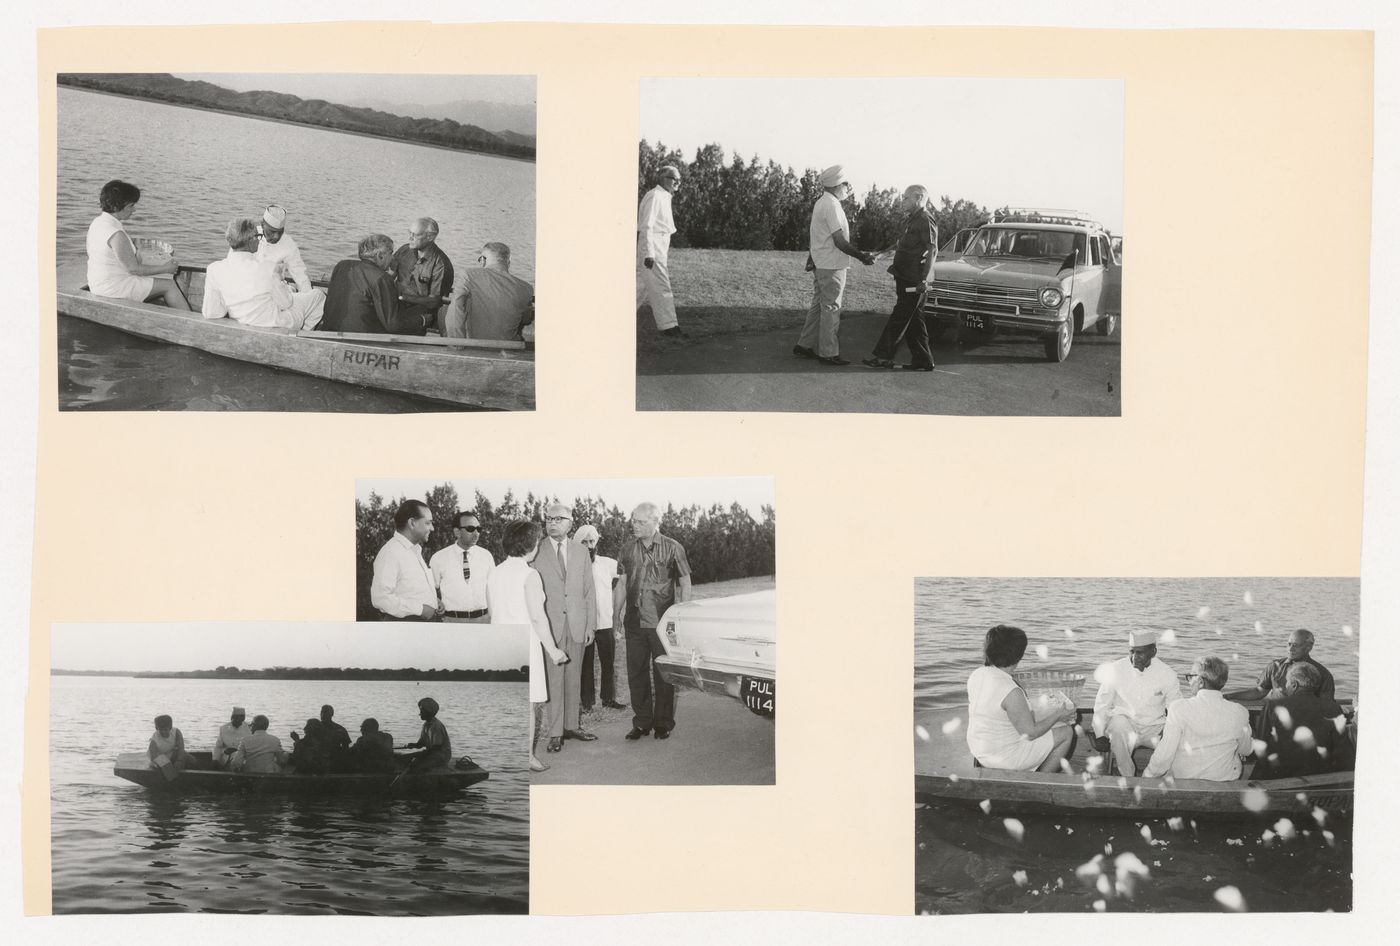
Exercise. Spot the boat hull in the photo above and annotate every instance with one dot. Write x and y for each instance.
(135, 767)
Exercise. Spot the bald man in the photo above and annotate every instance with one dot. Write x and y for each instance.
(570, 605)
(654, 228)
(422, 274)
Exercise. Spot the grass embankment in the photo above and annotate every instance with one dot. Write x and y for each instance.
(736, 292)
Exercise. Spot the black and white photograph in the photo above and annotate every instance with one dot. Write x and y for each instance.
(1134, 744)
(651, 605)
(295, 242)
(288, 768)
(912, 245)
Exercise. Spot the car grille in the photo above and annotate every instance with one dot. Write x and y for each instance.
(979, 297)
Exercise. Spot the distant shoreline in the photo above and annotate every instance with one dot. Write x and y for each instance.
(286, 121)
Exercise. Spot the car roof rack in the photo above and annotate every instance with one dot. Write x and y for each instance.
(1044, 215)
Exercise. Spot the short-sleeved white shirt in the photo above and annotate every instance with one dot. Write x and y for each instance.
(828, 216)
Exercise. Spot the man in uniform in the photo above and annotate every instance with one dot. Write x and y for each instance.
(492, 303)
(913, 259)
(611, 596)
(655, 566)
(830, 245)
(231, 734)
(402, 588)
(281, 250)
(1134, 693)
(654, 228)
(460, 571)
(422, 274)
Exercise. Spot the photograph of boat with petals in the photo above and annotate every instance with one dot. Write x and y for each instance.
(1127, 744)
(288, 768)
(359, 243)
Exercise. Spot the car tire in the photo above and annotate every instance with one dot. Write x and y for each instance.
(1108, 324)
(1057, 346)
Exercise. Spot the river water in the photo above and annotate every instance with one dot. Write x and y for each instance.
(966, 862)
(198, 169)
(119, 848)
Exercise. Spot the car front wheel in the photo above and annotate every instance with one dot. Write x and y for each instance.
(1107, 324)
(1057, 346)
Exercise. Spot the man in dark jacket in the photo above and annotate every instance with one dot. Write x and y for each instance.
(364, 298)
(374, 750)
(913, 259)
(1304, 732)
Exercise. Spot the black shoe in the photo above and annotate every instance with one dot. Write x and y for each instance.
(801, 352)
(636, 734)
(835, 360)
(662, 734)
(579, 734)
(877, 362)
(554, 745)
(674, 332)
(614, 704)
(916, 367)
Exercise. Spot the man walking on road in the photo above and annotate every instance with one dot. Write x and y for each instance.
(654, 228)
(913, 260)
(829, 241)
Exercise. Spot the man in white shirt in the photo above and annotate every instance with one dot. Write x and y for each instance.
(1134, 693)
(276, 247)
(260, 750)
(611, 595)
(1205, 735)
(402, 588)
(829, 240)
(460, 572)
(250, 291)
(654, 228)
(231, 734)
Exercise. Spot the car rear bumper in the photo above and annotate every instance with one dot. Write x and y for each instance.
(708, 675)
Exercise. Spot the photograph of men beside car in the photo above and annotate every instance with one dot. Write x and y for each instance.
(806, 245)
(652, 604)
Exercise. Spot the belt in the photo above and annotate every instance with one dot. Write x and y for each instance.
(479, 613)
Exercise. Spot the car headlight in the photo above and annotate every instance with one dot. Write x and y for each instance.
(1050, 297)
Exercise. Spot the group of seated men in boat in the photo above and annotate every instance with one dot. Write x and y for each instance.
(1202, 733)
(263, 280)
(323, 747)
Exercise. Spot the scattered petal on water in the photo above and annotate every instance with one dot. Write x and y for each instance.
(1255, 799)
(922, 733)
(1176, 824)
(1347, 631)
(1129, 864)
(1231, 899)
(1259, 627)
(1331, 838)
(952, 725)
(1208, 878)
(1090, 868)
(1108, 849)
(1237, 842)
(1285, 718)
(1100, 906)
(922, 845)
(1220, 632)
(1319, 816)
(1042, 651)
(1059, 883)
(986, 806)
(1168, 636)
(1249, 598)
(1202, 613)
(1285, 829)
(953, 777)
(1069, 634)
(1303, 736)
(1104, 885)
(1069, 830)
(1020, 878)
(1014, 828)
(1146, 834)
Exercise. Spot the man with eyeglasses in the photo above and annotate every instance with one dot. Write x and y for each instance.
(422, 273)
(280, 250)
(831, 252)
(402, 588)
(657, 574)
(1205, 735)
(460, 571)
(1134, 693)
(654, 228)
(492, 302)
(1273, 681)
(571, 608)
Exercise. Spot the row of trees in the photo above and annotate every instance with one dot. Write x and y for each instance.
(753, 205)
(720, 543)
(345, 673)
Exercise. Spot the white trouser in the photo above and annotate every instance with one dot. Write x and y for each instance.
(654, 286)
(1125, 735)
(308, 306)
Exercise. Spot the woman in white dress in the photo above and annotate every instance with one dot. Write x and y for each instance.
(515, 595)
(114, 269)
(1002, 732)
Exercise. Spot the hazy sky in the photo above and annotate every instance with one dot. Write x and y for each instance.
(753, 492)
(407, 89)
(258, 645)
(1020, 142)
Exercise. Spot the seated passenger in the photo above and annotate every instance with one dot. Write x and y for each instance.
(422, 273)
(231, 734)
(363, 297)
(374, 750)
(167, 749)
(1272, 680)
(311, 754)
(492, 303)
(276, 247)
(1305, 733)
(433, 740)
(260, 751)
(1130, 708)
(1002, 732)
(253, 291)
(113, 268)
(1205, 735)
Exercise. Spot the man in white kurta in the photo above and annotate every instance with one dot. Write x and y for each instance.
(231, 734)
(1134, 693)
(828, 239)
(460, 572)
(250, 291)
(402, 587)
(654, 228)
(276, 247)
(1205, 735)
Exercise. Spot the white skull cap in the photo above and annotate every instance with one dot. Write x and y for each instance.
(275, 217)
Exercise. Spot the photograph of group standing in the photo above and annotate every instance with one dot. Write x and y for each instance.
(288, 768)
(638, 593)
(304, 242)
(877, 246)
(1135, 744)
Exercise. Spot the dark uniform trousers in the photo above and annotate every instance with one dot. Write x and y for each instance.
(653, 699)
(606, 646)
(906, 324)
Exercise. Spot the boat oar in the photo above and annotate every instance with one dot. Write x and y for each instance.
(406, 768)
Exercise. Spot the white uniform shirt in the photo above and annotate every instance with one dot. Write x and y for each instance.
(1141, 695)
(246, 290)
(457, 594)
(604, 573)
(828, 216)
(402, 583)
(229, 738)
(655, 224)
(1204, 738)
(286, 251)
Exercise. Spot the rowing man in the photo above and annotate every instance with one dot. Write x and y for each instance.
(434, 741)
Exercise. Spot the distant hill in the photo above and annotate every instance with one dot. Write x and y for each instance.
(279, 106)
(508, 121)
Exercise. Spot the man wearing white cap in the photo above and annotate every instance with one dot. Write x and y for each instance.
(231, 734)
(654, 228)
(281, 250)
(1134, 693)
(831, 249)
(611, 595)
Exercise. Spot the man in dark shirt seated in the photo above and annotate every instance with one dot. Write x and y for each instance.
(363, 297)
(422, 273)
(1304, 732)
(374, 750)
(1271, 681)
(312, 755)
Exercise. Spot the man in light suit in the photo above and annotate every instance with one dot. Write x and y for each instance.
(569, 603)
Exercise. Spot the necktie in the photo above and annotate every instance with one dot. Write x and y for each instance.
(559, 553)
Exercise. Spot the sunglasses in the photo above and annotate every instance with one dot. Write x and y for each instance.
(470, 528)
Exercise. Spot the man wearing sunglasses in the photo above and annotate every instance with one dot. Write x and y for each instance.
(570, 604)
(460, 571)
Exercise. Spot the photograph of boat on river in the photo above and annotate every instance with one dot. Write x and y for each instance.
(1199, 828)
(455, 329)
(652, 602)
(366, 771)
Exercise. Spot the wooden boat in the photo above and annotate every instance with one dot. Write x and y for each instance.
(944, 770)
(466, 372)
(136, 767)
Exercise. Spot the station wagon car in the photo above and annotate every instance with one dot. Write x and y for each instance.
(1046, 273)
(725, 646)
